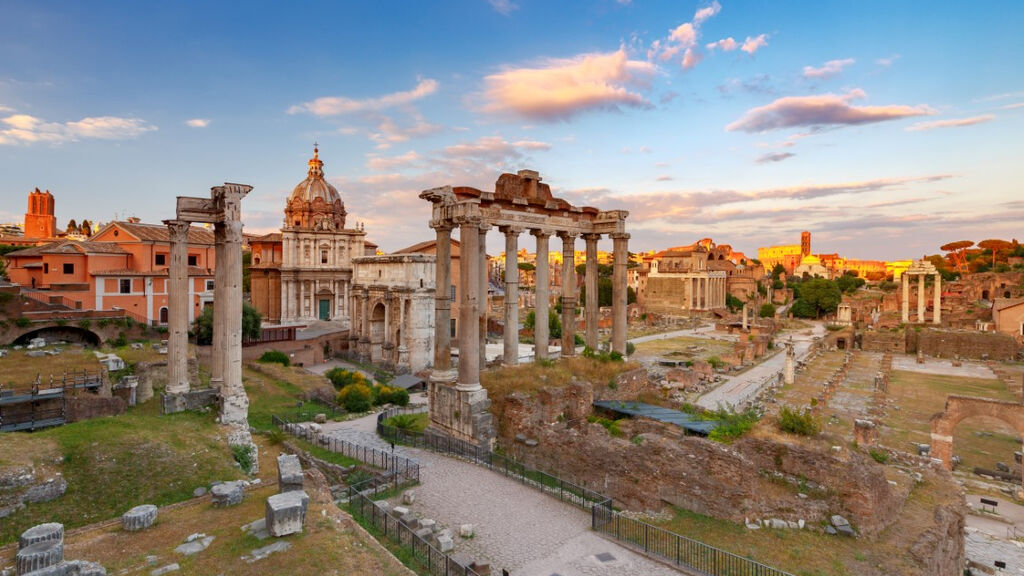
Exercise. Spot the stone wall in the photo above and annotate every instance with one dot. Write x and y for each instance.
(883, 341)
(191, 400)
(977, 345)
(84, 407)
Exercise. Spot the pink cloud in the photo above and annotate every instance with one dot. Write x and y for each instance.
(338, 105)
(685, 34)
(726, 44)
(560, 88)
(951, 123)
(691, 58)
(706, 12)
(753, 44)
(820, 110)
(829, 69)
(773, 157)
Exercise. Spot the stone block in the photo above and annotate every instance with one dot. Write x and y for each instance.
(384, 506)
(165, 570)
(139, 518)
(481, 568)
(227, 494)
(424, 533)
(838, 521)
(38, 556)
(320, 418)
(445, 544)
(286, 512)
(49, 532)
(428, 523)
(466, 531)
(289, 473)
(408, 497)
(408, 520)
(399, 511)
(83, 568)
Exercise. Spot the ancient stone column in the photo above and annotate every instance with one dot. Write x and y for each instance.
(230, 298)
(484, 286)
(511, 351)
(177, 308)
(364, 326)
(541, 333)
(920, 298)
(620, 291)
(789, 372)
(745, 320)
(591, 307)
(690, 294)
(569, 297)
(905, 278)
(469, 305)
(219, 327)
(443, 300)
(937, 301)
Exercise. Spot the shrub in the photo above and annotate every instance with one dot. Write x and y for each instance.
(22, 322)
(767, 310)
(341, 378)
(411, 422)
(798, 422)
(85, 323)
(612, 426)
(119, 342)
(716, 362)
(243, 454)
(731, 424)
(356, 398)
(276, 356)
(630, 349)
(879, 456)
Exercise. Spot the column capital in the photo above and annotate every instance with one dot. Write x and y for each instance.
(592, 236)
(511, 230)
(619, 236)
(564, 235)
(442, 225)
(541, 233)
(484, 227)
(468, 221)
(178, 229)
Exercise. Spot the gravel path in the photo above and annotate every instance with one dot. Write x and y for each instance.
(516, 528)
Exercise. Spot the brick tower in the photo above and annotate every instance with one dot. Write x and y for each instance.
(39, 220)
(805, 244)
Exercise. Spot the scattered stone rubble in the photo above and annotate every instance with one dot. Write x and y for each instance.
(139, 518)
(41, 553)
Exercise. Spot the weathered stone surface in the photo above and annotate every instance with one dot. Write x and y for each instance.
(50, 490)
(39, 555)
(49, 532)
(399, 511)
(408, 497)
(466, 531)
(289, 473)
(424, 533)
(286, 513)
(445, 544)
(194, 544)
(199, 492)
(83, 568)
(261, 553)
(227, 494)
(139, 518)
(165, 570)
(838, 521)
(257, 529)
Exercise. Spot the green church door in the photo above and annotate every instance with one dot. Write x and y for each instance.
(325, 309)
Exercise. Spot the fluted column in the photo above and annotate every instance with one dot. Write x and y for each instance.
(620, 291)
(219, 327)
(511, 341)
(231, 301)
(442, 297)
(541, 306)
(569, 295)
(937, 301)
(920, 298)
(905, 278)
(177, 308)
(592, 303)
(469, 305)
(484, 285)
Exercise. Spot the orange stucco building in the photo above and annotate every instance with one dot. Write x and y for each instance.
(123, 266)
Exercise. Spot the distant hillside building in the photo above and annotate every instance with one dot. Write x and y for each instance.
(679, 282)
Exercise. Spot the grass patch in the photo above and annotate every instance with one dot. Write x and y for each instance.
(612, 426)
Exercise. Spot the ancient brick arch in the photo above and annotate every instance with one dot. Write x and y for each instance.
(960, 407)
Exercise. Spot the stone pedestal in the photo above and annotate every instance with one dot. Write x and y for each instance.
(286, 513)
(289, 473)
(139, 518)
(463, 414)
(227, 494)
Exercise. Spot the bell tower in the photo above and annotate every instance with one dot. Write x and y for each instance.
(39, 220)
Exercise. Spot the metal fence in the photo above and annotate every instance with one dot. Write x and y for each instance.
(372, 456)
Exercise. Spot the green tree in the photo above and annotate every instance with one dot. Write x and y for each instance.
(777, 271)
(733, 302)
(246, 276)
(252, 324)
(554, 323)
(6, 249)
(849, 283)
(817, 296)
(767, 310)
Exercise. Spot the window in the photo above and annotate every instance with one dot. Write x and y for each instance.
(209, 285)
(323, 256)
(160, 259)
(193, 260)
(453, 327)
(453, 292)
(46, 268)
(69, 268)
(125, 286)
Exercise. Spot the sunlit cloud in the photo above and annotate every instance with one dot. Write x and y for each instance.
(951, 123)
(772, 157)
(706, 12)
(558, 89)
(1012, 106)
(338, 105)
(829, 69)
(198, 122)
(725, 44)
(820, 111)
(504, 7)
(388, 132)
(26, 129)
(755, 43)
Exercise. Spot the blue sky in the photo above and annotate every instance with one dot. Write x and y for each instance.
(884, 128)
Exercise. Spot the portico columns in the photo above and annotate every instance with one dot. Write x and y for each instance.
(569, 297)
(219, 327)
(177, 309)
(541, 333)
(469, 305)
(592, 304)
(511, 349)
(920, 298)
(905, 278)
(937, 300)
(484, 285)
(620, 291)
(443, 298)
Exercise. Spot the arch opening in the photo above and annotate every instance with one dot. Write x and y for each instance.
(72, 334)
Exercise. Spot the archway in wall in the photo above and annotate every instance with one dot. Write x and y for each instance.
(984, 294)
(163, 315)
(60, 333)
(841, 343)
(977, 411)
(377, 332)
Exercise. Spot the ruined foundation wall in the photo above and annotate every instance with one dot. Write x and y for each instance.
(977, 345)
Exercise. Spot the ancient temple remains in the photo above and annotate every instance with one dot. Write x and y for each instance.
(921, 269)
(519, 203)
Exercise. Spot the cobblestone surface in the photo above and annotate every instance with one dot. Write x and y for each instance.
(517, 528)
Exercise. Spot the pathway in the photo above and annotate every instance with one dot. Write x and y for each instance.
(516, 528)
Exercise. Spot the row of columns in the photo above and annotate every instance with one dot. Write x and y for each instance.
(936, 298)
(473, 296)
(362, 323)
(295, 296)
(706, 293)
(339, 251)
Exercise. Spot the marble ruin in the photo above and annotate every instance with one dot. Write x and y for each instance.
(223, 210)
(519, 203)
(921, 269)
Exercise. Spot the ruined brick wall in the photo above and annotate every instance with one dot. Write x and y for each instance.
(947, 344)
(84, 407)
(883, 341)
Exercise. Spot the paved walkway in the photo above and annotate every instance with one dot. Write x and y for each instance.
(516, 528)
(738, 389)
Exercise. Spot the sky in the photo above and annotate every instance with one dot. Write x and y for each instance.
(885, 128)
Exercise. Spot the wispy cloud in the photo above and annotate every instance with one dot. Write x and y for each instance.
(338, 105)
(755, 43)
(771, 157)
(951, 123)
(26, 129)
(198, 122)
(557, 89)
(820, 111)
(684, 39)
(388, 132)
(887, 62)
(725, 44)
(1012, 106)
(829, 69)
(504, 7)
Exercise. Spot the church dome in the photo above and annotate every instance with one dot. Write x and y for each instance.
(810, 260)
(315, 203)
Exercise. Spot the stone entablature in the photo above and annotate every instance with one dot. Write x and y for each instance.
(392, 305)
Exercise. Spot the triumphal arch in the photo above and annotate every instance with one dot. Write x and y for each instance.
(519, 203)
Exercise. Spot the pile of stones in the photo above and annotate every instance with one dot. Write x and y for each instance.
(840, 525)
(41, 553)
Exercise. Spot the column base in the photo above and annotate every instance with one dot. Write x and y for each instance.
(174, 402)
(463, 414)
